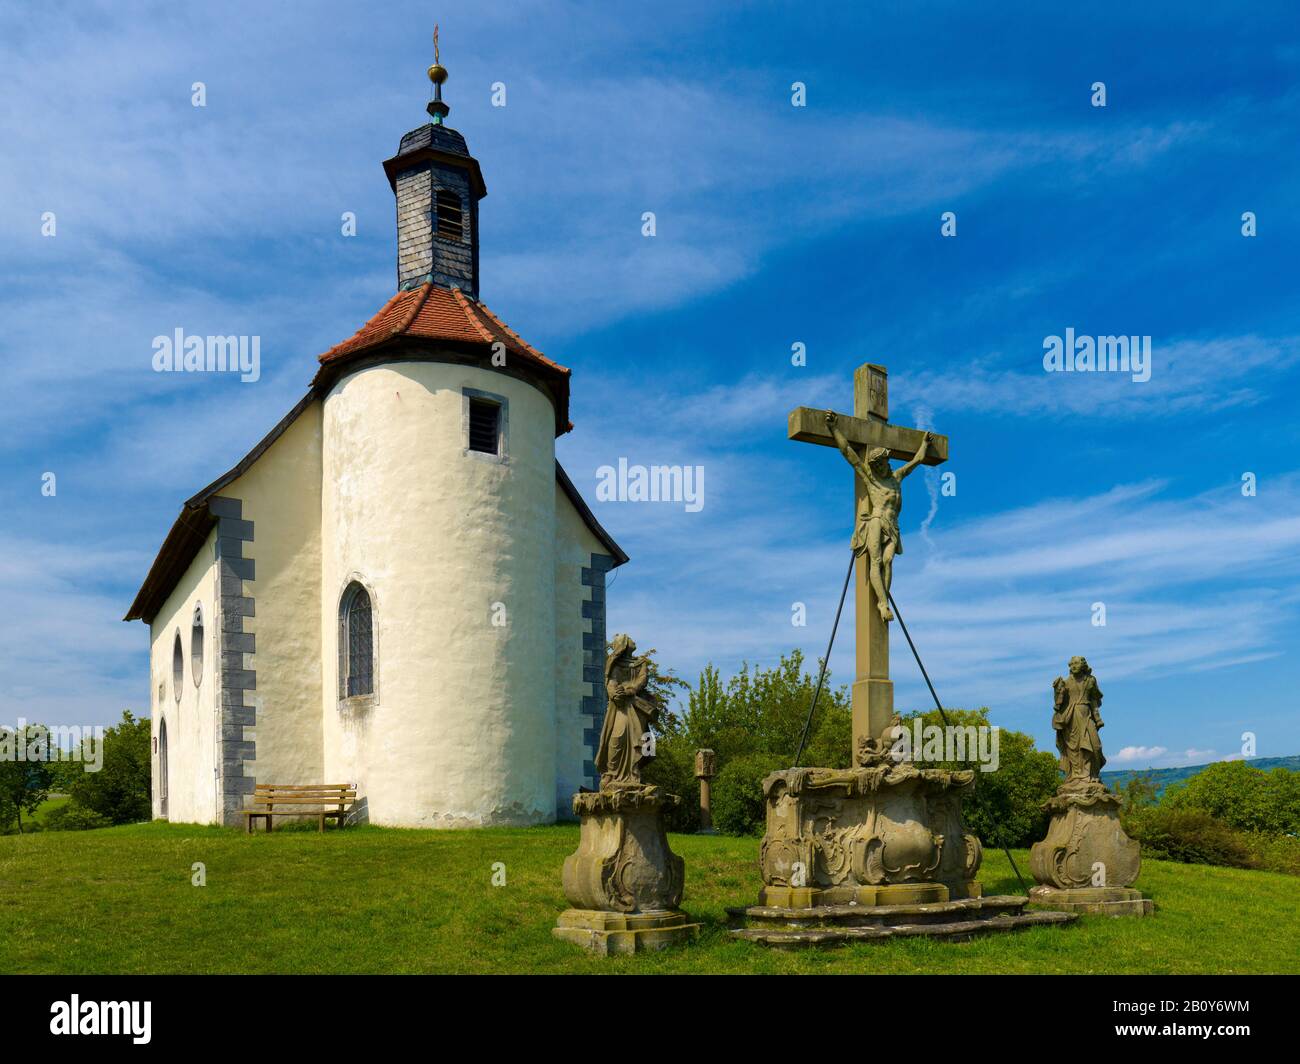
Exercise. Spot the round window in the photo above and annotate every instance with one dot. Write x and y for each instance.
(178, 666)
(196, 645)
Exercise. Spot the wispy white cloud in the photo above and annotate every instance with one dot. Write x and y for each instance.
(1131, 754)
(1187, 375)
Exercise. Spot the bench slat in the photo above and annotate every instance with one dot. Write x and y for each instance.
(300, 801)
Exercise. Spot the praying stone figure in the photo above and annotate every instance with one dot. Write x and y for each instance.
(1077, 719)
(623, 882)
(876, 531)
(625, 739)
(1087, 862)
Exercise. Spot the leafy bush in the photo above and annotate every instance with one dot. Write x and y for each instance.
(673, 770)
(73, 817)
(1276, 853)
(119, 791)
(1242, 796)
(1006, 805)
(831, 742)
(738, 793)
(1192, 836)
(24, 782)
(764, 711)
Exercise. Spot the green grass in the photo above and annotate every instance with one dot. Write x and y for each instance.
(381, 900)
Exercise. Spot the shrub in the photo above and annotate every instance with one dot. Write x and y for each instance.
(119, 791)
(1276, 853)
(1244, 797)
(1192, 836)
(831, 744)
(74, 817)
(1005, 807)
(673, 770)
(738, 793)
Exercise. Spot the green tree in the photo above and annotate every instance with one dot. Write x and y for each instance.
(25, 780)
(119, 791)
(673, 771)
(1006, 805)
(1242, 796)
(738, 805)
(757, 715)
(1138, 793)
(764, 711)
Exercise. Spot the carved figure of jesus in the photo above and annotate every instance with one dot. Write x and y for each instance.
(876, 531)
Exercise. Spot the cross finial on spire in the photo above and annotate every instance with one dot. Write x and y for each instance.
(437, 74)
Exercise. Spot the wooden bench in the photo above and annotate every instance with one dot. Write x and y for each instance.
(321, 800)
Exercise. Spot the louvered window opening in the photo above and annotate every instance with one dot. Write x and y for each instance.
(484, 426)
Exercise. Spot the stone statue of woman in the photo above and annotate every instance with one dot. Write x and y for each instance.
(631, 711)
(1077, 718)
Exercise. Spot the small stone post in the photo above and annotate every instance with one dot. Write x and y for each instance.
(706, 767)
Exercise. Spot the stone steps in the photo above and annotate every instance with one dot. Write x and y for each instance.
(836, 925)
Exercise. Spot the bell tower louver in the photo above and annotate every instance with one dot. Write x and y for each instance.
(437, 184)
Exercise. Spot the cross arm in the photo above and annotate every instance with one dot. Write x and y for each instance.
(808, 425)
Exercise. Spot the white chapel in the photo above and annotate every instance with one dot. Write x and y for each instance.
(398, 588)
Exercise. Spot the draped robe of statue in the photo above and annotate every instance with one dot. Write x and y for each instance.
(1077, 718)
(628, 717)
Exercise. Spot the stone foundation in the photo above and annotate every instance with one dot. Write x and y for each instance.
(1099, 901)
(619, 933)
(623, 881)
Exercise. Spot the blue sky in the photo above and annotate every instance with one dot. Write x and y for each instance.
(775, 225)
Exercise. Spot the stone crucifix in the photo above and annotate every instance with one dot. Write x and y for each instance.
(869, 441)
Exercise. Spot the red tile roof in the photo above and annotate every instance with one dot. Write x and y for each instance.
(447, 314)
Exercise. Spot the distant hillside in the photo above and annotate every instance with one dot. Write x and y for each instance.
(1163, 777)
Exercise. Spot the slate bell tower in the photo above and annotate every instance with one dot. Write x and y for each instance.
(438, 185)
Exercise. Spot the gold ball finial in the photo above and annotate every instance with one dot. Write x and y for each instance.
(437, 72)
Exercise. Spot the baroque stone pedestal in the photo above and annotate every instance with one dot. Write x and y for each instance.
(885, 834)
(1087, 861)
(868, 853)
(623, 881)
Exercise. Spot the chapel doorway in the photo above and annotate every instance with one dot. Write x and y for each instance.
(162, 768)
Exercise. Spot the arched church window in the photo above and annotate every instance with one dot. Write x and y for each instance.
(178, 666)
(196, 644)
(356, 643)
(451, 219)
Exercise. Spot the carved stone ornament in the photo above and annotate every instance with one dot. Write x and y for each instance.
(887, 824)
(1086, 846)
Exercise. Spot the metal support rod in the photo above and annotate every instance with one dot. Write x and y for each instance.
(944, 716)
(826, 660)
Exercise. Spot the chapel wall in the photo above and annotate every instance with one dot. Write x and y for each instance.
(460, 730)
(580, 567)
(191, 719)
(280, 494)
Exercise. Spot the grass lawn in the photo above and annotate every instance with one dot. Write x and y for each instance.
(383, 900)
